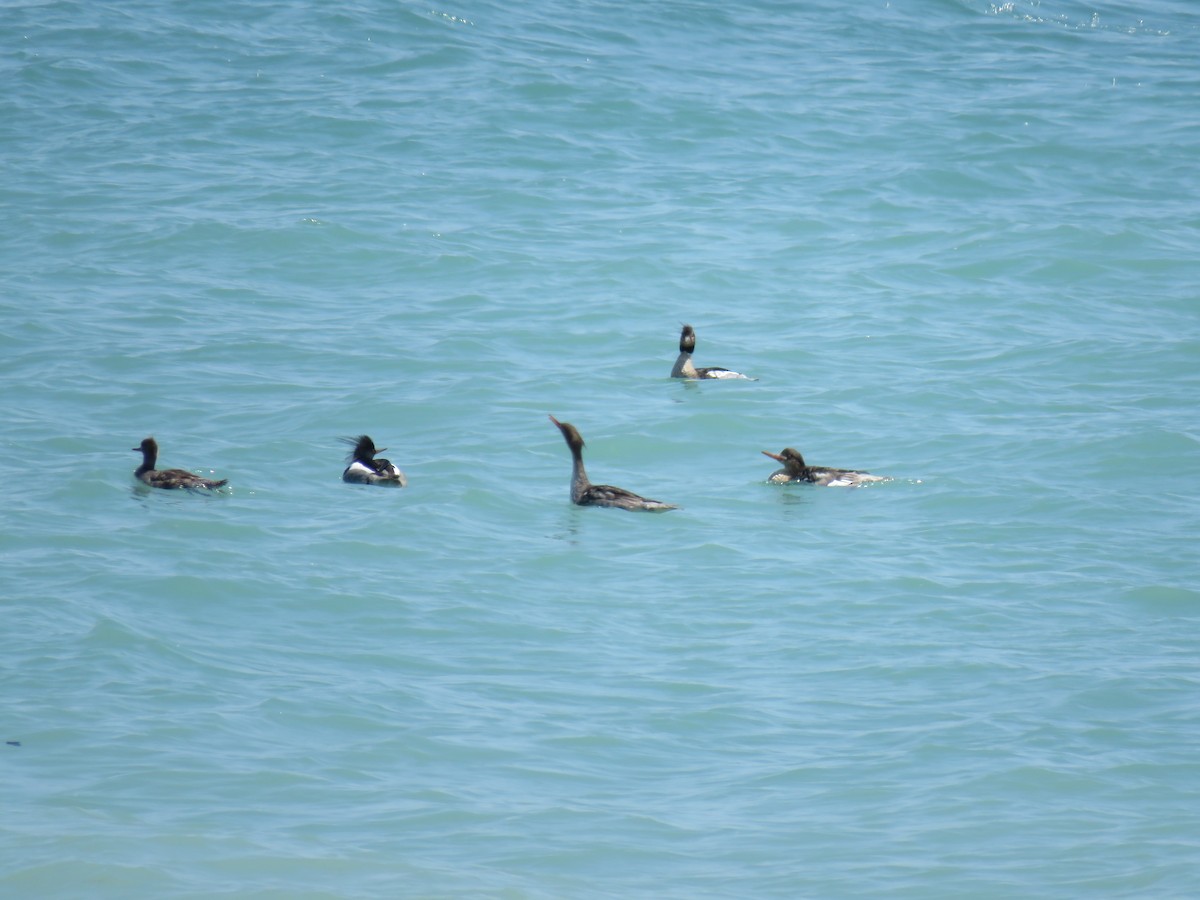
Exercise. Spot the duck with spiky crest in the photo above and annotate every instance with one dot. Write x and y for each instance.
(168, 479)
(584, 493)
(684, 368)
(364, 468)
(795, 470)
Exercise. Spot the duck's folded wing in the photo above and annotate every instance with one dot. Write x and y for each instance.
(718, 372)
(607, 495)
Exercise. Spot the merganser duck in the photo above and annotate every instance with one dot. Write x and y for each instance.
(683, 365)
(584, 493)
(364, 468)
(168, 478)
(794, 470)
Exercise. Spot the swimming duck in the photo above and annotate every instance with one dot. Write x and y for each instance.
(584, 493)
(364, 468)
(794, 470)
(168, 478)
(683, 367)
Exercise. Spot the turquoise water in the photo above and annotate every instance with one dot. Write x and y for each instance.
(956, 243)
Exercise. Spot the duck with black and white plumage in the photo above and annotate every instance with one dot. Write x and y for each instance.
(366, 468)
(685, 368)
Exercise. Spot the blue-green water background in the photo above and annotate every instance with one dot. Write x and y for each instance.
(957, 243)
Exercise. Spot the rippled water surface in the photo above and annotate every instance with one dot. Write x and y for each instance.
(954, 241)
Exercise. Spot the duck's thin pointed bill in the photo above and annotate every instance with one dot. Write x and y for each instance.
(774, 456)
(555, 421)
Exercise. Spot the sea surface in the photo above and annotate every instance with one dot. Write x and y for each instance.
(955, 241)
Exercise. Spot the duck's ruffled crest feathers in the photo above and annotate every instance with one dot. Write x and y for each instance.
(364, 447)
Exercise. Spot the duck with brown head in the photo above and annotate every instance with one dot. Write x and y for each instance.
(584, 493)
(170, 479)
(796, 470)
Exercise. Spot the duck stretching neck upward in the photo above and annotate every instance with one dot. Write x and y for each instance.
(684, 368)
(579, 477)
(584, 493)
(169, 479)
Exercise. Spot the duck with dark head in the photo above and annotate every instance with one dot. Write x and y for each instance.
(684, 368)
(169, 479)
(796, 470)
(364, 468)
(584, 493)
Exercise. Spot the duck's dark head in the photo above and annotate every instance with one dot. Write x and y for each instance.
(570, 434)
(788, 456)
(364, 447)
(687, 339)
(148, 447)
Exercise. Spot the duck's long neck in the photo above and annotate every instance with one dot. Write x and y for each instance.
(149, 458)
(683, 366)
(579, 477)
